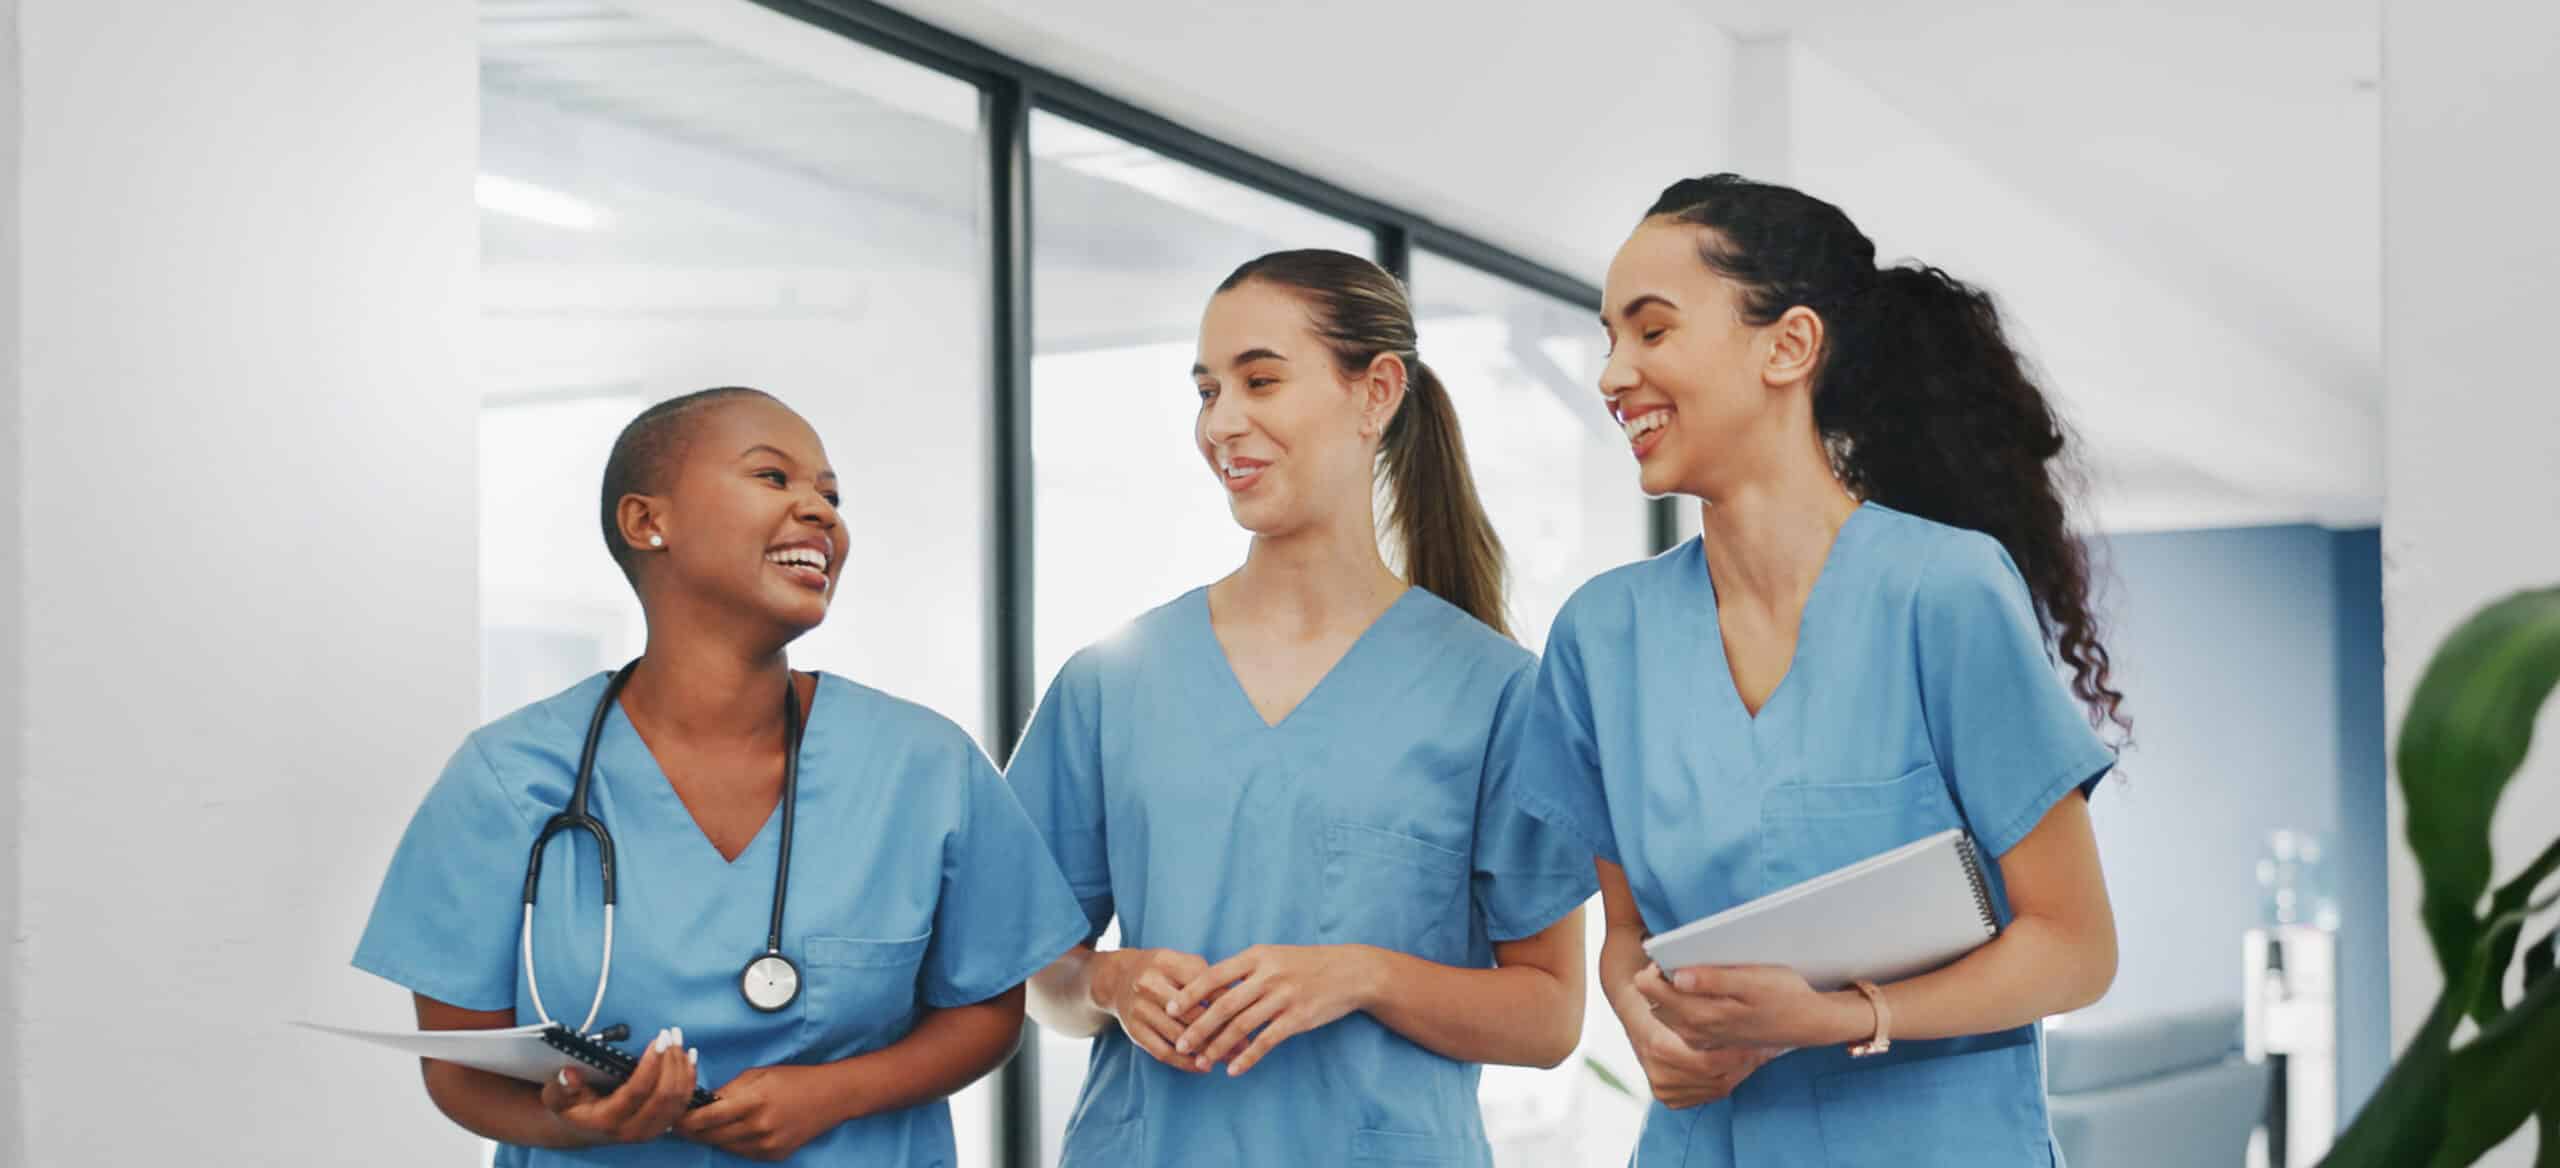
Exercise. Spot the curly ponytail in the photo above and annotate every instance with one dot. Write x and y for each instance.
(1922, 401)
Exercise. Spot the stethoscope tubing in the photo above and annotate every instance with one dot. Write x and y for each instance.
(575, 817)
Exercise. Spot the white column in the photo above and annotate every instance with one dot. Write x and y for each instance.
(2471, 285)
(13, 678)
(247, 558)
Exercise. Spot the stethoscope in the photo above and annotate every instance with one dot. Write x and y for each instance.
(769, 982)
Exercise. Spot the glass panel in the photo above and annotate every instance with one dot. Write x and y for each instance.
(1524, 369)
(1127, 247)
(682, 196)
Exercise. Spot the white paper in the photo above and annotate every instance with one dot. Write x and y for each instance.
(517, 1053)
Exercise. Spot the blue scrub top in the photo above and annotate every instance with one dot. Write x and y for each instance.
(916, 882)
(1921, 698)
(1365, 816)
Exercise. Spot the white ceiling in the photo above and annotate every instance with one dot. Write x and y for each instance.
(2222, 171)
(2217, 173)
(2229, 149)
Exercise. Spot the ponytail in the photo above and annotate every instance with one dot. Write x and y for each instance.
(1445, 542)
(1932, 413)
(1439, 536)
(1921, 400)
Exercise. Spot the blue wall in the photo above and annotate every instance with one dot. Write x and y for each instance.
(2364, 952)
(2251, 660)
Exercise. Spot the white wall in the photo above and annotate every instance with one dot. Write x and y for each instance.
(247, 556)
(2134, 362)
(1543, 127)
(2473, 441)
(12, 595)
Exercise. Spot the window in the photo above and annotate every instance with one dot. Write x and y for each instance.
(780, 194)
(721, 195)
(1128, 246)
(1555, 475)
(1553, 468)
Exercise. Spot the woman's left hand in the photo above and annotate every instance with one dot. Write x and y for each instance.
(767, 1113)
(1267, 994)
(1752, 1005)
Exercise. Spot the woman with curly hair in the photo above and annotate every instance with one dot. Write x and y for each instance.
(1857, 652)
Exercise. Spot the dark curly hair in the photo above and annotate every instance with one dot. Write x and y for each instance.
(1921, 401)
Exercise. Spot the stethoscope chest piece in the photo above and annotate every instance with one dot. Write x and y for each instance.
(770, 982)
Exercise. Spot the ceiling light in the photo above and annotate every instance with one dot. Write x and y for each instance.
(524, 200)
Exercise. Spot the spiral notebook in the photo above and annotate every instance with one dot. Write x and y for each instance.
(531, 1053)
(1901, 914)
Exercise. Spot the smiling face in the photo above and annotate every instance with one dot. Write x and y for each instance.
(1292, 441)
(1694, 386)
(748, 517)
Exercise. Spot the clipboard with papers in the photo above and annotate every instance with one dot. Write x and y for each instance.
(531, 1053)
(1906, 912)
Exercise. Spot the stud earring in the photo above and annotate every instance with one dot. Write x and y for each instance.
(657, 541)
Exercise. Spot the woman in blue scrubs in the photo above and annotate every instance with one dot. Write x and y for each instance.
(1855, 654)
(1277, 782)
(918, 896)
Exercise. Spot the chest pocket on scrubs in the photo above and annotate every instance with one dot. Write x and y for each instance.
(862, 994)
(1393, 891)
(1807, 829)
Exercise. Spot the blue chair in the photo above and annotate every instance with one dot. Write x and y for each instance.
(2154, 1090)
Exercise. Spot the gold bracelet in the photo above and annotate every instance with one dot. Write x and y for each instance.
(1883, 1041)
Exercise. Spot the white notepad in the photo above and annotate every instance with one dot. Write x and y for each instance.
(517, 1053)
(531, 1053)
(1901, 914)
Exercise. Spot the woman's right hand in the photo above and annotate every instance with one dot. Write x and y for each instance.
(1136, 985)
(1683, 1076)
(643, 1108)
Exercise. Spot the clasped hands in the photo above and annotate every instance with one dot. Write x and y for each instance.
(1191, 1015)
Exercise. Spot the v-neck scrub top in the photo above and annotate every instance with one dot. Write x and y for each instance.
(916, 883)
(1364, 816)
(1921, 698)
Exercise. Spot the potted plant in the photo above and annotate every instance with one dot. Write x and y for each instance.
(2445, 1103)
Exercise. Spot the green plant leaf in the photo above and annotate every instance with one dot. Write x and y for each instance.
(2538, 960)
(2502, 1076)
(2484, 976)
(1607, 1077)
(2512, 898)
(2468, 728)
(2403, 1122)
(2548, 1135)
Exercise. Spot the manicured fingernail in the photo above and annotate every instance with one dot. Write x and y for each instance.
(1173, 1006)
(694, 1056)
(676, 1036)
(564, 1078)
(1201, 1062)
(1182, 1046)
(664, 1040)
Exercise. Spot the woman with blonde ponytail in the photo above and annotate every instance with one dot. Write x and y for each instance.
(1278, 783)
